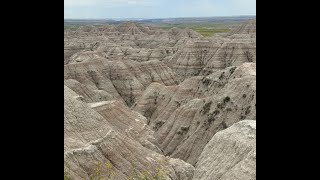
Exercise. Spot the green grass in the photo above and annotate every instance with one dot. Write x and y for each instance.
(103, 171)
(205, 29)
(66, 172)
(209, 32)
(76, 26)
(72, 27)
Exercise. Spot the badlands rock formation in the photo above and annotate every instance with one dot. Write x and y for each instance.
(204, 56)
(230, 154)
(104, 132)
(160, 104)
(186, 116)
(245, 28)
(123, 80)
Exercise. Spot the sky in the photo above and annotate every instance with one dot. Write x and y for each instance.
(114, 9)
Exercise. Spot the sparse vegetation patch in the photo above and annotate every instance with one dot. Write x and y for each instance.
(206, 108)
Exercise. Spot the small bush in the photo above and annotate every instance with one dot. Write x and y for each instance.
(206, 81)
(66, 173)
(178, 103)
(148, 113)
(97, 174)
(206, 107)
(251, 97)
(224, 125)
(184, 128)
(155, 97)
(211, 118)
(232, 70)
(158, 125)
(247, 110)
(221, 75)
(226, 99)
(158, 175)
(216, 112)
(248, 55)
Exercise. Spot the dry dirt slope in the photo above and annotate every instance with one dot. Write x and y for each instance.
(186, 116)
(91, 137)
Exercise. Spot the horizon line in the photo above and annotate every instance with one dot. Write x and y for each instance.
(156, 17)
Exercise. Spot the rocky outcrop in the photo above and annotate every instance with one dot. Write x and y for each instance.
(202, 57)
(97, 145)
(87, 93)
(123, 80)
(191, 58)
(245, 28)
(186, 116)
(232, 52)
(132, 28)
(130, 122)
(230, 154)
(128, 40)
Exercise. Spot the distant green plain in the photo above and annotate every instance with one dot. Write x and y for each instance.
(71, 26)
(209, 32)
(205, 29)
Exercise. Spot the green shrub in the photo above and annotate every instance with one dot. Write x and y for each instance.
(212, 116)
(226, 99)
(98, 171)
(248, 110)
(66, 173)
(183, 130)
(148, 113)
(158, 125)
(206, 108)
(159, 174)
(221, 75)
(224, 125)
(232, 70)
(104, 172)
(206, 81)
